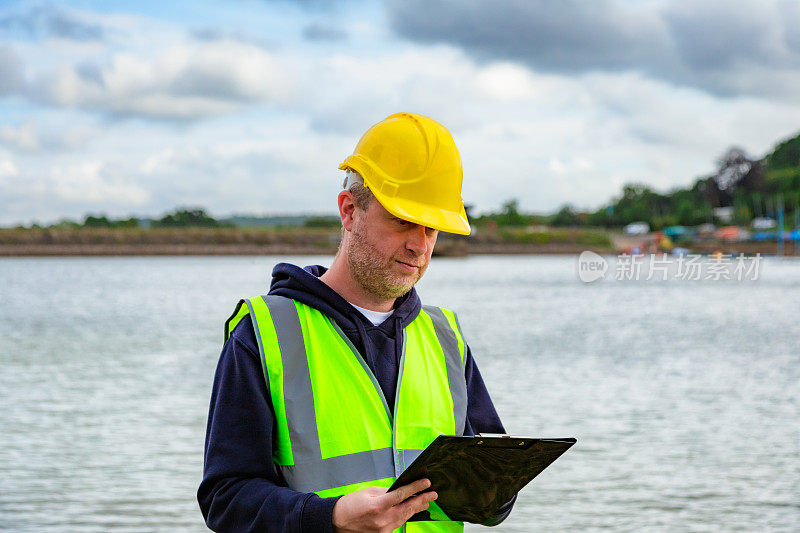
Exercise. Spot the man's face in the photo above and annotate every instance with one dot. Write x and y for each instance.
(387, 255)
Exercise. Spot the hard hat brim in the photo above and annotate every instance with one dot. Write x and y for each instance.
(416, 212)
(425, 215)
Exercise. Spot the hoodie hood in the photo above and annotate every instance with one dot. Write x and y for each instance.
(304, 285)
(381, 346)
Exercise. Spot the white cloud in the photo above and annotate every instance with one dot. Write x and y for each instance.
(30, 136)
(189, 81)
(90, 183)
(725, 47)
(52, 21)
(506, 82)
(22, 137)
(259, 129)
(11, 70)
(572, 166)
(559, 139)
(7, 167)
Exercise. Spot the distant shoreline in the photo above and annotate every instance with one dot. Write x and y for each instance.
(48, 242)
(67, 250)
(276, 241)
(129, 250)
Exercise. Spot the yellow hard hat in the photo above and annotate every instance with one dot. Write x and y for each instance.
(411, 165)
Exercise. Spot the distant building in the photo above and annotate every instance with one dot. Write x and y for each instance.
(724, 214)
(637, 228)
(763, 223)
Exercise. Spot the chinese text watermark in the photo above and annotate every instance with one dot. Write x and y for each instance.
(689, 267)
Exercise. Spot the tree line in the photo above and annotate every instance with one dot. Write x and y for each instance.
(188, 217)
(196, 217)
(748, 187)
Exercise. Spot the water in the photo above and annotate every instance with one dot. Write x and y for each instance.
(684, 396)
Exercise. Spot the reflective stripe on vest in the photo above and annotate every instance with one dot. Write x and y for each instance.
(334, 431)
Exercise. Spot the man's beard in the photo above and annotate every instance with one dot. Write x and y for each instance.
(374, 274)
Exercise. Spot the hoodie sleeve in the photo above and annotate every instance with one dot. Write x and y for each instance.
(241, 489)
(482, 418)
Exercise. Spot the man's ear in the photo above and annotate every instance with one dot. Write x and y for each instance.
(347, 208)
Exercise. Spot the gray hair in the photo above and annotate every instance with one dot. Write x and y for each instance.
(354, 183)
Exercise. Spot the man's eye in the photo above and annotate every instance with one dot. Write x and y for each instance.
(402, 222)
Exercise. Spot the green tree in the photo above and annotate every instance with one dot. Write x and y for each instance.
(603, 217)
(101, 221)
(126, 223)
(566, 216)
(785, 155)
(510, 215)
(322, 222)
(191, 217)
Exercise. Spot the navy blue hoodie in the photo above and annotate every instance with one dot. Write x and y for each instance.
(241, 489)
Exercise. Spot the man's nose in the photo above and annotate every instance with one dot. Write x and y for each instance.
(417, 240)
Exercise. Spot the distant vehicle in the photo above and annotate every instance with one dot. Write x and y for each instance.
(705, 230)
(732, 234)
(677, 231)
(637, 228)
(763, 223)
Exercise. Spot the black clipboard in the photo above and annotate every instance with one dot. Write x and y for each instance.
(475, 476)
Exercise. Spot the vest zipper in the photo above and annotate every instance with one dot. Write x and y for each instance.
(392, 415)
(402, 334)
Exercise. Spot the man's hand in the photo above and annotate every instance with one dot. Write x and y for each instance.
(374, 510)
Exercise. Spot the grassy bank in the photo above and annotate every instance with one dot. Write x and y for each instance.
(167, 241)
(249, 241)
(312, 237)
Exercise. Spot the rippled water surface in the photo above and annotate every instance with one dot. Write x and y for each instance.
(684, 396)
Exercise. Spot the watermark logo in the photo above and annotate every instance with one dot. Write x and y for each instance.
(591, 266)
(688, 267)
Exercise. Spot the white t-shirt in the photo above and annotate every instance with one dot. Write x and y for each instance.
(376, 317)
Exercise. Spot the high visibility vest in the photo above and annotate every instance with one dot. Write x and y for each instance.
(334, 431)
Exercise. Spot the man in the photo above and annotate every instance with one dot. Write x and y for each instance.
(328, 387)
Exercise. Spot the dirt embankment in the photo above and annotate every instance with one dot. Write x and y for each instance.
(277, 241)
(183, 241)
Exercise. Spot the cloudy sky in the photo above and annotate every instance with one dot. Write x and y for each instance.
(135, 108)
